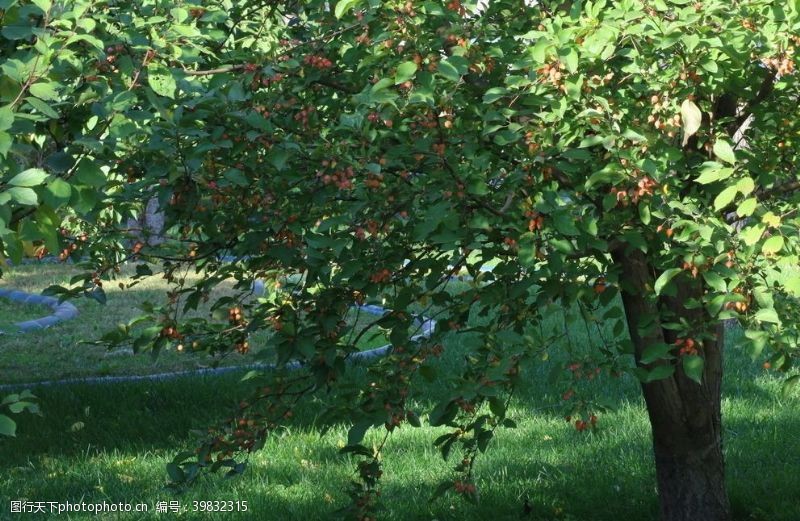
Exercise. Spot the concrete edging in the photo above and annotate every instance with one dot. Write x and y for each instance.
(61, 311)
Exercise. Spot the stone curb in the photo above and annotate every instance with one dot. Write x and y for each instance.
(426, 326)
(61, 312)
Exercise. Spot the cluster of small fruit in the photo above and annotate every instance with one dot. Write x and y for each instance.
(644, 187)
(465, 488)
(783, 65)
(660, 105)
(687, 346)
(455, 5)
(108, 63)
(365, 498)
(235, 317)
(266, 81)
(171, 332)
(424, 120)
(303, 115)
(551, 73)
(407, 9)
(581, 424)
(317, 61)
(374, 181)
(381, 276)
(740, 305)
(66, 252)
(374, 117)
(535, 220)
(596, 81)
(364, 38)
(342, 178)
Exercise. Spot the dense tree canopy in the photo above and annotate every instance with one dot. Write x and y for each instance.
(359, 150)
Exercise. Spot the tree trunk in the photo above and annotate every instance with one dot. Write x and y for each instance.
(685, 416)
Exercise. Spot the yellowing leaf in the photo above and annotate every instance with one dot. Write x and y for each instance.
(771, 219)
(792, 285)
(724, 198)
(691, 118)
(746, 185)
(772, 245)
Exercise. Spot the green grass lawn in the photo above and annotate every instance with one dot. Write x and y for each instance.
(13, 312)
(111, 443)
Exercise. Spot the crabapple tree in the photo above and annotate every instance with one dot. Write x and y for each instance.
(629, 164)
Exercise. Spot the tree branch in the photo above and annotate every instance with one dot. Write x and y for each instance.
(219, 70)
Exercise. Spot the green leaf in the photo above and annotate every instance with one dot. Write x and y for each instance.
(89, 173)
(745, 186)
(45, 91)
(16, 31)
(494, 94)
(381, 84)
(725, 197)
(343, 6)
(175, 473)
(724, 151)
(752, 234)
(654, 352)
(5, 143)
(660, 372)
(57, 192)
(405, 71)
(7, 426)
(758, 340)
(527, 249)
(747, 207)
(570, 58)
(29, 177)
(161, 80)
(497, 406)
(709, 65)
(664, 279)
(42, 107)
(453, 68)
(44, 5)
(356, 433)
(6, 117)
(644, 212)
(714, 281)
(539, 51)
(565, 223)
(767, 315)
(772, 245)
(693, 367)
(22, 195)
(712, 171)
(792, 284)
(633, 136)
(691, 118)
(789, 384)
(448, 70)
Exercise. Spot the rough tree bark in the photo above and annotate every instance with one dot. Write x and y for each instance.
(685, 416)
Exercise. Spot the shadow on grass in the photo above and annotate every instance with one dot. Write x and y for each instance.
(130, 431)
